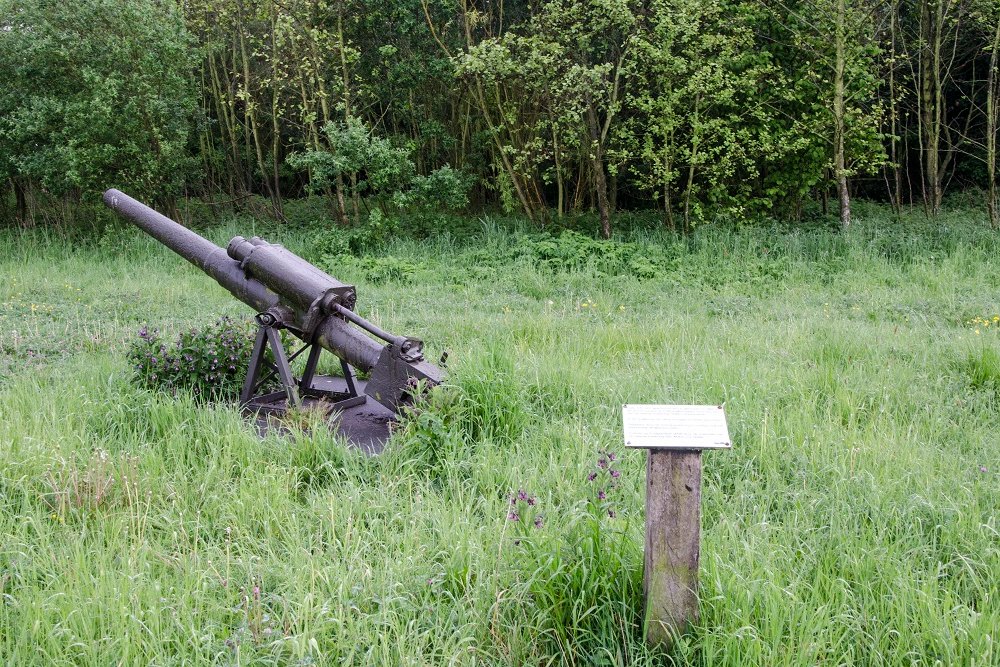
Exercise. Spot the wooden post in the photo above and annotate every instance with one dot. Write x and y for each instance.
(673, 436)
(673, 531)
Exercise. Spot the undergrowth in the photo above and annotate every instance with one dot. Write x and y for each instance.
(853, 522)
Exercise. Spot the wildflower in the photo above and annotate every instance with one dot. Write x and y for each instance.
(616, 474)
(983, 469)
(514, 516)
(256, 592)
(591, 477)
(531, 501)
(144, 333)
(611, 456)
(602, 463)
(601, 495)
(612, 514)
(538, 522)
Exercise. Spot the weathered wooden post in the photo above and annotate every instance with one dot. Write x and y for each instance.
(673, 436)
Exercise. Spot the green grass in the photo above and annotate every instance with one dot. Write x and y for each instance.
(855, 521)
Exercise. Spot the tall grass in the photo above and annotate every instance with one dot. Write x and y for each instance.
(854, 521)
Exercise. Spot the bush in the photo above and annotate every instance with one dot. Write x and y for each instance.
(210, 362)
(570, 251)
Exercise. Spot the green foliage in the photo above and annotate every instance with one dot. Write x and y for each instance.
(379, 170)
(210, 362)
(96, 94)
(573, 251)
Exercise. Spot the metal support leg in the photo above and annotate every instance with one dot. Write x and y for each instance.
(284, 369)
(349, 377)
(310, 370)
(253, 371)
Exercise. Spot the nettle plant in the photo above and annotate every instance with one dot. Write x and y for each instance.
(210, 362)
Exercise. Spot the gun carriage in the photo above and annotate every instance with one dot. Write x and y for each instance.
(288, 293)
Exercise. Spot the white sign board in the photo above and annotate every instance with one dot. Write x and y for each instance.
(675, 427)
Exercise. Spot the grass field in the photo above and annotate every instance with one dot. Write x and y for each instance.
(854, 522)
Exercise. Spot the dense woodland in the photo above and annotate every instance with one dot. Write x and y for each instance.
(697, 108)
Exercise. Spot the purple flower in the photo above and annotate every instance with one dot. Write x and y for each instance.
(611, 513)
(531, 501)
(601, 495)
(983, 469)
(521, 495)
(514, 516)
(538, 522)
(616, 474)
(256, 592)
(612, 457)
(602, 463)
(144, 333)
(591, 477)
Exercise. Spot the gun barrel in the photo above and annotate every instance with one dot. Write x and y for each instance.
(333, 333)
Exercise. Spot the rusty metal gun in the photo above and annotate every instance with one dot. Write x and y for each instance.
(289, 293)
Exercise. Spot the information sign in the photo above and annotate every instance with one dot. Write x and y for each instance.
(675, 427)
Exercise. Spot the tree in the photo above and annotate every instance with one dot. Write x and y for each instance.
(986, 19)
(94, 94)
(379, 170)
(691, 91)
(839, 39)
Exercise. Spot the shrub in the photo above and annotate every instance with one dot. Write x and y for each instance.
(209, 362)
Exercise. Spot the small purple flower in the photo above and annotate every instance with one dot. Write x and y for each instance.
(612, 514)
(538, 522)
(531, 501)
(521, 495)
(591, 477)
(616, 474)
(514, 516)
(602, 463)
(256, 592)
(144, 333)
(601, 495)
(612, 457)
(983, 469)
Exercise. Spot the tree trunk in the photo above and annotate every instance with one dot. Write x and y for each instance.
(22, 203)
(839, 157)
(251, 118)
(597, 167)
(992, 118)
(560, 188)
(275, 124)
(897, 176)
(932, 16)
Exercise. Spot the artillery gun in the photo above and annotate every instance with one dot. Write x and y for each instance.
(288, 293)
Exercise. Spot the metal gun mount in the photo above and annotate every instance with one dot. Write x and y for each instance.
(290, 293)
